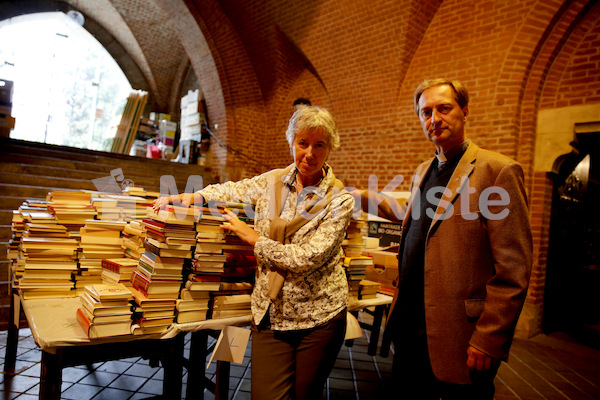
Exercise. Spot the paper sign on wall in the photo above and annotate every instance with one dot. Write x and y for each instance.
(231, 345)
(353, 329)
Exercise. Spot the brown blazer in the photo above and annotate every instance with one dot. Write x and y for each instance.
(477, 265)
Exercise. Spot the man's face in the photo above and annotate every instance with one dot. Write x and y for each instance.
(441, 117)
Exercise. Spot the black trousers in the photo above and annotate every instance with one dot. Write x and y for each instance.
(295, 364)
(413, 378)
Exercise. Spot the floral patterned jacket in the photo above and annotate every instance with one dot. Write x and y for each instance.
(315, 289)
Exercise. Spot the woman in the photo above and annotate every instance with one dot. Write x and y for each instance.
(300, 295)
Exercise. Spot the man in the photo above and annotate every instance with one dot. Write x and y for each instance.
(464, 260)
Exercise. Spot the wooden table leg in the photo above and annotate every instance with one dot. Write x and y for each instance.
(12, 339)
(222, 380)
(197, 366)
(173, 364)
(51, 375)
(375, 328)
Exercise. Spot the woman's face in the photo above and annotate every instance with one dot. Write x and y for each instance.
(310, 150)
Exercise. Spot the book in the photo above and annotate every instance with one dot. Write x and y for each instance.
(240, 301)
(204, 286)
(216, 314)
(104, 292)
(143, 301)
(153, 285)
(120, 265)
(146, 322)
(154, 260)
(183, 317)
(175, 215)
(164, 245)
(104, 308)
(150, 270)
(100, 319)
(187, 305)
(167, 252)
(186, 294)
(98, 330)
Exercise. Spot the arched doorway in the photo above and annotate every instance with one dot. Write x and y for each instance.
(572, 295)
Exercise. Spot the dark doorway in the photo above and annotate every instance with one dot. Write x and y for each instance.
(572, 294)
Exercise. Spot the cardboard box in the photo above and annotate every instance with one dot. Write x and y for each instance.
(384, 269)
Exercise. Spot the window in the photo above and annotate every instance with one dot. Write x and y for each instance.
(68, 90)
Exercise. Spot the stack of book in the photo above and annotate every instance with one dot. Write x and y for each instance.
(18, 228)
(118, 270)
(209, 260)
(368, 289)
(230, 305)
(192, 306)
(132, 207)
(159, 274)
(353, 242)
(49, 257)
(105, 310)
(71, 208)
(100, 239)
(106, 208)
(149, 195)
(356, 268)
(153, 315)
(225, 259)
(134, 234)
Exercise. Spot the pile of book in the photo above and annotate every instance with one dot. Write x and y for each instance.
(100, 239)
(356, 268)
(18, 228)
(138, 191)
(134, 234)
(49, 257)
(118, 270)
(223, 265)
(105, 310)
(353, 241)
(192, 306)
(158, 277)
(368, 289)
(132, 207)
(71, 208)
(106, 208)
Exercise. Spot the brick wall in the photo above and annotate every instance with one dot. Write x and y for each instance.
(362, 60)
(363, 63)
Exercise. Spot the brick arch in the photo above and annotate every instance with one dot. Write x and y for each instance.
(233, 99)
(556, 43)
(574, 76)
(549, 42)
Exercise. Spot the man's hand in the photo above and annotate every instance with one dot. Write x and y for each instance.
(240, 228)
(478, 360)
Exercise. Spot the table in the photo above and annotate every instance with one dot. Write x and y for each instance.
(381, 305)
(199, 350)
(64, 344)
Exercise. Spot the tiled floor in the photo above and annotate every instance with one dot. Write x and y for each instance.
(545, 367)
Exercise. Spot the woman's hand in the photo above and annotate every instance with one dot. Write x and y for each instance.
(161, 203)
(240, 228)
(183, 200)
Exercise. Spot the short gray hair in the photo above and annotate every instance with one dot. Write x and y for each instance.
(311, 117)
